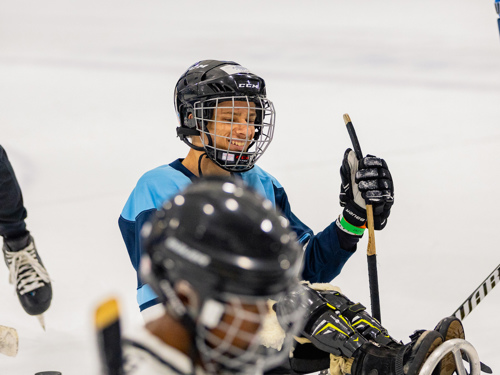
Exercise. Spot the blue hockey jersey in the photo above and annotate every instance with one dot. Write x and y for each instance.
(323, 256)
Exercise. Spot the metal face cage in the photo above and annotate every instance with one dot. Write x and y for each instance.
(229, 333)
(235, 131)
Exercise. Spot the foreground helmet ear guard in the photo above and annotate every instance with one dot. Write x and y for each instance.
(232, 248)
(211, 84)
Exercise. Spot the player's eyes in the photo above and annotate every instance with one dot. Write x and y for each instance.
(236, 119)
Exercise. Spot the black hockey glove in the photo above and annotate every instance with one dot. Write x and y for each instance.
(324, 326)
(368, 181)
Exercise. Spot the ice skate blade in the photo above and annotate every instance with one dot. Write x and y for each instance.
(41, 319)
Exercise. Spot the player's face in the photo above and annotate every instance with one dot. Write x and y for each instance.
(233, 127)
(239, 325)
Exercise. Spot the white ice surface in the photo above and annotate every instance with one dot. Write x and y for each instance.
(86, 108)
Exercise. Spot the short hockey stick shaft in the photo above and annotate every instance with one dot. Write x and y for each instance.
(479, 294)
(371, 249)
(371, 257)
(107, 325)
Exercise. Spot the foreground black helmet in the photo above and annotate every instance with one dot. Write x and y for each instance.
(230, 246)
(200, 92)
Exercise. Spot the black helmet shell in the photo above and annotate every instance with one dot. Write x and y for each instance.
(222, 237)
(210, 79)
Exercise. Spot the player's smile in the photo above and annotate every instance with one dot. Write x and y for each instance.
(237, 145)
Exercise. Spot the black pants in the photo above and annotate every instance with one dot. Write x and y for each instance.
(12, 211)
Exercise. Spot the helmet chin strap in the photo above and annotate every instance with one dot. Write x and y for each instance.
(200, 173)
(210, 143)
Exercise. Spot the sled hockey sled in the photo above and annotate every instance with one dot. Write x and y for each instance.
(461, 349)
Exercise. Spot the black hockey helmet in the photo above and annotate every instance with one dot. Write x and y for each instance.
(228, 244)
(197, 96)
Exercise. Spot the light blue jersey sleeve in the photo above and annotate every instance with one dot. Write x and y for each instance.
(152, 189)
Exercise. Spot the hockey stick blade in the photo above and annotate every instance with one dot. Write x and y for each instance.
(478, 295)
(107, 325)
(9, 341)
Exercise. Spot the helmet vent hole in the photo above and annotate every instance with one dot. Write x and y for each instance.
(217, 87)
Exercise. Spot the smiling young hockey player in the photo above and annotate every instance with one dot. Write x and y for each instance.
(215, 255)
(228, 123)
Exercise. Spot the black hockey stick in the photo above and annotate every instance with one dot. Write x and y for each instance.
(107, 324)
(371, 250)
(478, 295)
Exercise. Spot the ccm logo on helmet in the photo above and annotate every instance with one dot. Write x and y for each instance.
(248, 86)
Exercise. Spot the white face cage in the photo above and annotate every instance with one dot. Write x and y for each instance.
(236, 130)
(230, 335)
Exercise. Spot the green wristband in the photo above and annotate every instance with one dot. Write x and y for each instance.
(351, 228)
